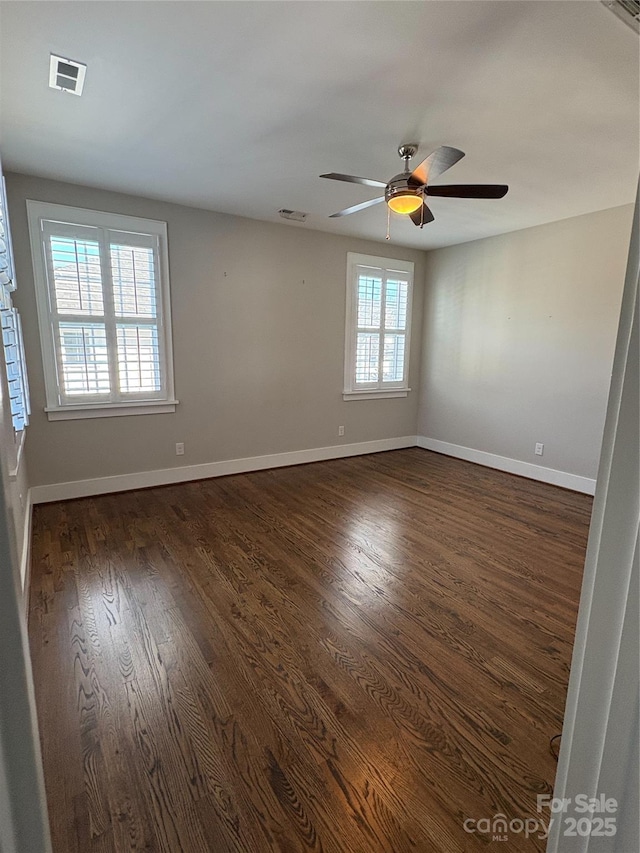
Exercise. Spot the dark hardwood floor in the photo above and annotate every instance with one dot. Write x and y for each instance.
(352, 656)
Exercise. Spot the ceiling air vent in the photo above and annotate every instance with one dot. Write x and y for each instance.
(66, 75)
(627, 10)
(296, 215)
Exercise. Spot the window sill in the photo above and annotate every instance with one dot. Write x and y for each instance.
(115, 410)
(377, 394)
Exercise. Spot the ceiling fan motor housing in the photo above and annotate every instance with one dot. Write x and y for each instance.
(402, 184)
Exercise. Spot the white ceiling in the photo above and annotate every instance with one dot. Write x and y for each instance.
(239, 107)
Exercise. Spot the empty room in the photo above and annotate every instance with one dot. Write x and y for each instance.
(319, 426)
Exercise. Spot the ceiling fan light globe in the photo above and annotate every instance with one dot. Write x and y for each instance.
(404, 202)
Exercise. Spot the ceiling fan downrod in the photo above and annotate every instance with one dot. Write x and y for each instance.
(407, 152)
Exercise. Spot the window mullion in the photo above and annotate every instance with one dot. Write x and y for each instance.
(159, 318)
(383, 315)
(57, 347)
(354, 329)
(68, 317)
(139, 321)
(109, 313)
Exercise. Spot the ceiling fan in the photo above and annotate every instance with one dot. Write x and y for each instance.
(405, 193)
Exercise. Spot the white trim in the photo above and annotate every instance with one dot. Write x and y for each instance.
(513, 466)
(39, 211)
(25, 556)
(380, 394)
(165, 476)
(95, 218)
(206, 470)
(114, 410)
(385, 265)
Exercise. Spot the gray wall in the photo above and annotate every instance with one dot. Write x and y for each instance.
(258, 326)
(517, 345)
(519, 336)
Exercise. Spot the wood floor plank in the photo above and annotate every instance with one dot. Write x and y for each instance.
(353, 656)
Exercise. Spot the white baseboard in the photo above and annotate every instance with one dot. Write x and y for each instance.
(165, 476)
(25, 556)
(513, 466)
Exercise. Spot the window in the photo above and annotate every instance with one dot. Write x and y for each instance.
(103, 306)
(378, 327)
(15, 365)
(17, 387)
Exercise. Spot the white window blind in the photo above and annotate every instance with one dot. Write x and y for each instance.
(104, 298)
(378, 319)
(15, 365)
(14, 360)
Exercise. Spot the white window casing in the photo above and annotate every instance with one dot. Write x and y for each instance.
(102, 289)
(378, 327)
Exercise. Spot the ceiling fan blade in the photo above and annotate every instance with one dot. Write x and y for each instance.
(352, 179)
(422, 215)
(357, 207)
(437, 162)
(469, 191)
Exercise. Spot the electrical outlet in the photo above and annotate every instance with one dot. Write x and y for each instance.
(180, 448)
(539, 448)
(340, 430)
